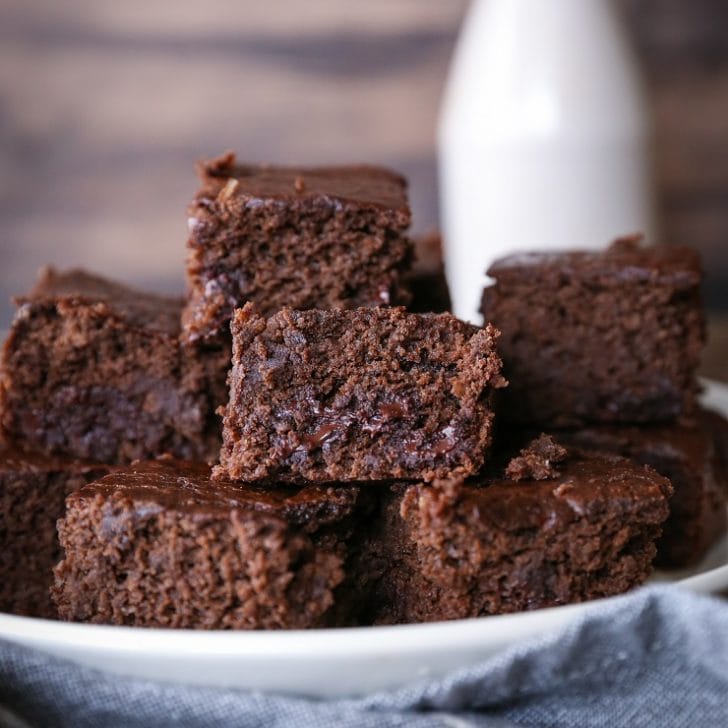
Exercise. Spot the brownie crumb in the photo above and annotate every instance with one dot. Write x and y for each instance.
(33, 490)
(426, 281)
(538, 460)
(228, 190)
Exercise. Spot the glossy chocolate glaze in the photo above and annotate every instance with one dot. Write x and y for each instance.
(361, 184)
(136, 308)
(588, 485)
(625, 261)
(183, 486)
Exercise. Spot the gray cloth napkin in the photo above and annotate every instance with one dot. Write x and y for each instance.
(658, 656)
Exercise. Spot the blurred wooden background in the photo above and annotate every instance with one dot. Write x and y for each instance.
(105, 106)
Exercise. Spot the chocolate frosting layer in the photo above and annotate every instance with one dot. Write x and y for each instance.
(362, 184)
(136, 308)
(185, 486)
(588, 485)
(625, 261)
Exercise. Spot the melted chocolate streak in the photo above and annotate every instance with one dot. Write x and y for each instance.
(335, 425)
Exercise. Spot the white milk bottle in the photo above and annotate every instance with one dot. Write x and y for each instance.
(544, 139)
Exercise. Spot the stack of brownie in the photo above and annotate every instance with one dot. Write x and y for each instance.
(353, 479)
(601, 350)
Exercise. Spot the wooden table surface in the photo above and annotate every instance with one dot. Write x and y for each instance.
(104, 107)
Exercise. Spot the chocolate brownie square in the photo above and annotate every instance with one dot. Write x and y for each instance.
(328, 237)
(368, 394)
(688, 455)
(33, 489)
(159, 544)
(95, 370)
(490, 545)
(604, 337)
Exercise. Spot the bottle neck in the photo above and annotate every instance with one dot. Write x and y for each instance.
(542, 66)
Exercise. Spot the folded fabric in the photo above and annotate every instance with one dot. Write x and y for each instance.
(658, 656)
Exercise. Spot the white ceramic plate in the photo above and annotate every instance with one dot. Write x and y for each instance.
(330, 662)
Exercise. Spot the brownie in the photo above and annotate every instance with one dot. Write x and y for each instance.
(362, 395)
(426, 281)
(93, 369)
(324, 237)
(33, 489)
(688, 455)
(605, 337)
(457, 549)
(540, 460)
(159, 544)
